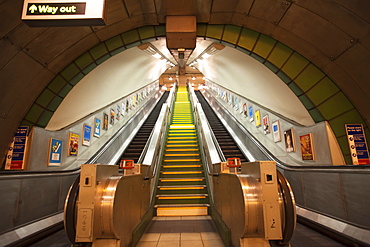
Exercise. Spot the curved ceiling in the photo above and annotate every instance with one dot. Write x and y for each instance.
(333, 34)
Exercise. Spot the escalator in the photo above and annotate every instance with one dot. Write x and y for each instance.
(227, 144)
(182, 188)
(135, 148)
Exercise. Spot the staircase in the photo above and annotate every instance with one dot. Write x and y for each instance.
(182, 189)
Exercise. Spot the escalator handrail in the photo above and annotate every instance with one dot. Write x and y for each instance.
(147, 144)
(205, 126)
(290, 216)
(154, 143)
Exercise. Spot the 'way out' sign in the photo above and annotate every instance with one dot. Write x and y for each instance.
(46, 13)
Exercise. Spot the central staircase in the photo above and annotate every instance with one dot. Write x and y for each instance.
(182, 188)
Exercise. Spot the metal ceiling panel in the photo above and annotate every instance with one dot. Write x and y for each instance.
(222, 6)
(10, 16)
(323, 35)
(359, 7)
(203, 10)
(16, 82)
(348, 21)
(67, 56)
(219, 18)
(270, 11)
(22, 35)
(7, 53)
(115, 11)
(51, 43)
(244, 7)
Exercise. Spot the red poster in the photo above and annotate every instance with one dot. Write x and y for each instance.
(307, 147)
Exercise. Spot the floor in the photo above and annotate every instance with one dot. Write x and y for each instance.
(193, 231)
(182, 231)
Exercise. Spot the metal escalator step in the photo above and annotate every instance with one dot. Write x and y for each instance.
(181, 166)
(181, 172)
(190, 179)
(182, 187)
(181, 196)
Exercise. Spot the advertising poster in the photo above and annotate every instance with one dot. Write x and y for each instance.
(276, 131)
(105, 121)
(123, 110)
(306, 147)
(112, 116)
(97, 127)
(245, 110)
(73, 144)
(55, 152)
(17, 150)
(250, 114)
(266, 124)
(240, 106)
(127, 105)
(289, 141)
(86, 135)
(257, 116)
(236, 103)
(357, 144)
(118, 115)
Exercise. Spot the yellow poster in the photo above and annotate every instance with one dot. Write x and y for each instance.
(257, 116)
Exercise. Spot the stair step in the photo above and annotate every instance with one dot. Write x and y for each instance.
(180, 205)
(181, 179)
(180, 155)
(181, 196)
(182, 187)
(181, 160)
(181, 172)
(181, 166)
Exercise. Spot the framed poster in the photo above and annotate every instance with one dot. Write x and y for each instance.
(289, 141)
(55, 152)
(307, 147)
(123, 108)
(266, 124)
(105, 121)
(257, 116)
(276, 131)
(86, 135)
(17, 150)
(97, 127)
(250, 114)
(245, 110)
(118, 115)
(357, 144)
(112, 115)
(73, 144)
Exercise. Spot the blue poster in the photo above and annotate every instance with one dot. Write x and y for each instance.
(357, 144)
(55, 152)
(16, 153)
(250, 113)
(97, 127)
(86, 135)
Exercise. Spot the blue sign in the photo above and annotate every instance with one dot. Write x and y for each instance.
(87, 135)
(357, 144)
(97, 127)
(250, 113)
(55, 152)
(16, 153)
